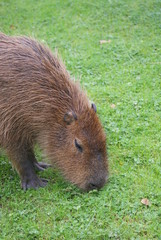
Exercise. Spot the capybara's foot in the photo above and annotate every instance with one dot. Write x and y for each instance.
(41, 166)
(33, 182)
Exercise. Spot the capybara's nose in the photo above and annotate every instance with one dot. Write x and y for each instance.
(92, 186)
(97, 183)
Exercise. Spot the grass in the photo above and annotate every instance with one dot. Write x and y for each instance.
(123, 78)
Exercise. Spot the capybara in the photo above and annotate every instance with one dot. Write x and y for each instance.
(40, 104)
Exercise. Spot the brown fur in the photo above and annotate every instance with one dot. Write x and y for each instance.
(39, 103)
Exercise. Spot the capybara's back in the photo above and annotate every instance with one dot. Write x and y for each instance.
(39, 103)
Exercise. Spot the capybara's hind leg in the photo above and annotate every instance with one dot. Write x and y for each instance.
(21, 159)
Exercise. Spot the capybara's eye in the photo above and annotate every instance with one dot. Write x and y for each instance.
(78, 146)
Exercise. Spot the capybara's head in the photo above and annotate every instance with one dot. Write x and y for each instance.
(80, 149)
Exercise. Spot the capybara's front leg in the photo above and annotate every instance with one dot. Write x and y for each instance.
(22, 161)
(40, 166)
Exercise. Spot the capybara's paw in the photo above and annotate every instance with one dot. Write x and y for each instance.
(33, 182)
(41, 166)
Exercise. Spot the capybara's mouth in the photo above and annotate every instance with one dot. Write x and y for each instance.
(94, 184)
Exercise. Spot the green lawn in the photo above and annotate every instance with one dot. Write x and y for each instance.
(123, 78)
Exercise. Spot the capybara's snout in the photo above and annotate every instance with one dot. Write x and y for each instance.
(96, 182)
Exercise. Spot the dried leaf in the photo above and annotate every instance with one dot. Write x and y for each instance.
(105, 41)
(113, 105)
(145, 201)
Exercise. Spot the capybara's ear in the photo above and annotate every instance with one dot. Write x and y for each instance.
(94, 107)
(69, 117)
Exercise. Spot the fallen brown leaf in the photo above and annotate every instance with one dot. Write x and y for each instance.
(145, 201)
(105, 41)
(113, 105)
